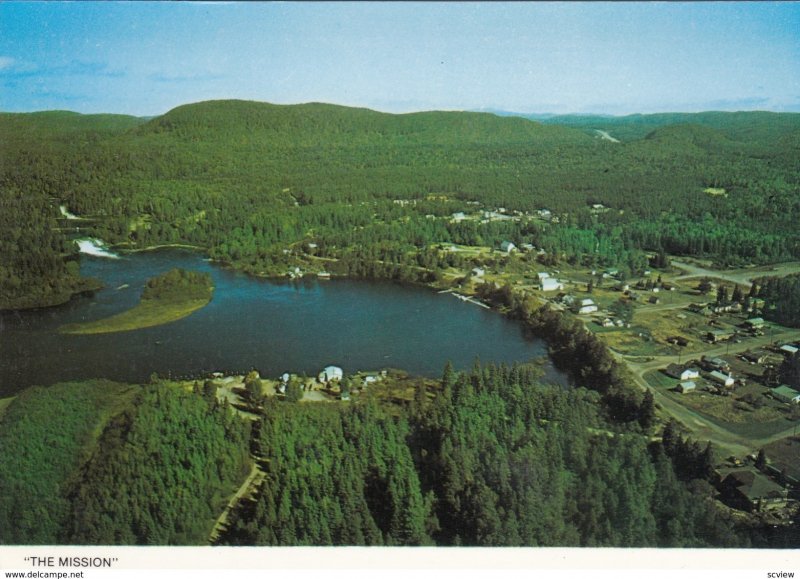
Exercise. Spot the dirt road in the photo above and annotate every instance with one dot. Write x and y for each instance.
(702, 428)
(248, 488)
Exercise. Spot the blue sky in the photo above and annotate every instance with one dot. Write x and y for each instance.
(616, 58)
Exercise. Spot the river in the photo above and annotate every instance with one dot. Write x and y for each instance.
(272, 326)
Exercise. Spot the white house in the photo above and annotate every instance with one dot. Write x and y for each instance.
(459, 216)
(586, 306)
(686, 386)
(330, 374)
(508, 247)
(681, 373)
(789, 349)
(724, 379)
(478, 272)
(549, 284)
(690, 374)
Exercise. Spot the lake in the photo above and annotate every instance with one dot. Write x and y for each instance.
(270, 325)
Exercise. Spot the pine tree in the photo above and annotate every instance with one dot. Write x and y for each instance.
(737, 295)
(761, 459)
(448, 375)
(722, 295)
(647, 411)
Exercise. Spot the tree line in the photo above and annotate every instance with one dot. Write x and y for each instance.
(246, 181)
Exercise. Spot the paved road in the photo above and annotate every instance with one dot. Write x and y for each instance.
(728, 349)
(741, 276)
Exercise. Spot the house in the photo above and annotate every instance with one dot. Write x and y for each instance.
(686, 387)
(786, 394)
(754, 323)
(607, 323)
(585, 306)
(690, 374)
(756, 357)
(751, 490)
(719, 335)
(459, 216)
(478, 272)
(550, 284)
(567, 299)
(716, 364)
(542, 275)
(324, 275)
(788, 349)
(681, 373)
(507, 247)
(720, 378)
(330, 374)
(371, 379)
(701, 309)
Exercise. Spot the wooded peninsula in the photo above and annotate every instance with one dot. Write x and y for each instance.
(166, 298)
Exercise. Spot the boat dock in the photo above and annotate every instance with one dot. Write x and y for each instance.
(464, 298)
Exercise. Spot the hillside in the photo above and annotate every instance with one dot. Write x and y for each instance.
(93, 463)
(373, 191)
(755, 126)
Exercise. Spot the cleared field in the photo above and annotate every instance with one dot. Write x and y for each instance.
(145, 315)
(166, 298)
(732, 411)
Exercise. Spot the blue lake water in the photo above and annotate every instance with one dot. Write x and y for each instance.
(269, 325)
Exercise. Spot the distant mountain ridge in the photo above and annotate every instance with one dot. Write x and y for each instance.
(742, 125)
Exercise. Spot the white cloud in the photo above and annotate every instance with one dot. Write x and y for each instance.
(6, 62)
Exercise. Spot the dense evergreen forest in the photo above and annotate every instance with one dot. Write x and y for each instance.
(46, 434)
(492, 458)
(485, 457)
(103, 463)
(250, 182)
(781, 297)
(178, 282)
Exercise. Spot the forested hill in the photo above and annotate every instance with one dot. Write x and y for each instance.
(751, 126)
(375, 191)
(323, 125)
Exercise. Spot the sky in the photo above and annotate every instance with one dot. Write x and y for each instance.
(145, 58)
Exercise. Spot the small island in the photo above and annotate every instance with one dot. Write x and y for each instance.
(166, 298)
